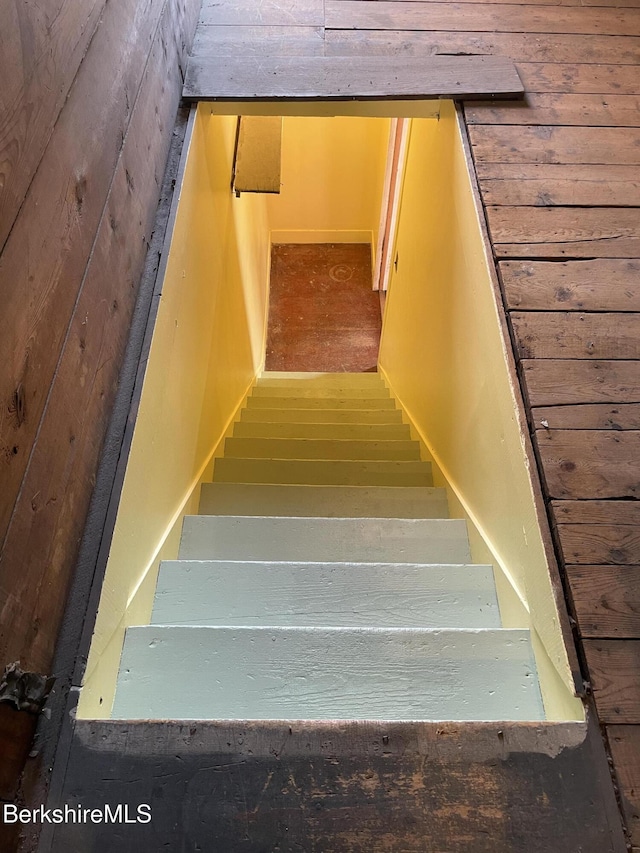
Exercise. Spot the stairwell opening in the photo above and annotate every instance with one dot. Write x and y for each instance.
(443, 353)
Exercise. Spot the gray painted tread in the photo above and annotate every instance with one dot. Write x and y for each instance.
(323, 416)
(319, 448)
(345, 472)
(326, 673)
(383, 595)
(325, 501)
(366, 540)
(357, 432)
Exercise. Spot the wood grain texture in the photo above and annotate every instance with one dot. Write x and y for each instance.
(582, 464)
(548, 185)
(595, 416)
(289, 13)
(318, 77)
(599, 285)
(579, 78)
(551, 108)
(522, 47)
(615, 543)
(478, 17)
(564, 232)
(607, 600)
(557, 382)
(552, 144)
(614, 669)
(597, 512)
(44, 260)
(257, 40)
(624, 743)
(571, 334)
(40, 52)
(51, 509)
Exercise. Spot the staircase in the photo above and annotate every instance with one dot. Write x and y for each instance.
(323, 580)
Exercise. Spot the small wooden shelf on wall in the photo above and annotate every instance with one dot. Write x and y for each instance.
(258, 157)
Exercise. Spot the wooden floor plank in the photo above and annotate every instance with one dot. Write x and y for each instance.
(614, 669)
(579, 78)
(559, 108)
(583, 464)
(615, 544)
(588, 416)
(317, 77)
(608, 284)
(523, 47)
(564, 232)
(291, 13)
(606, 599)
(234, 40)
(481, 17)
(597, 512)
(624, 742)
(557, 382)
(552, 144)
(546, 185)
(555, 334)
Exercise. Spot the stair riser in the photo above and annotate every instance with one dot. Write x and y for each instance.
(274, 379)
(339, 432)
(320, 403)
(323, 416)
(325, 540)
(326, 501)
(323, 472)
(326, 674)
(325, 595)
(306, 448)
(283, 391)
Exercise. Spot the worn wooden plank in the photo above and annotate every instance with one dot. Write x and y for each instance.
(597, 512)
(565, 232)
(624, 743)
(558, 382)
(551, 108)
(347, 788)
(349, 77)
(589, 416)
(281, 40)
(290, 13)
(552, 144)
(523, 47)
(618, 544)
(539, 184)
(480, 17)
(41, 48)
(614, 669)
(599, 285)
(42, 266)
(555, 334)
(606, 600)
(52, 505)
(579, 78)
(584, 464)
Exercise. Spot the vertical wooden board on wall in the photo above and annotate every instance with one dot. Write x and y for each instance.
(66, 453)
(41, 48)
(43, 263)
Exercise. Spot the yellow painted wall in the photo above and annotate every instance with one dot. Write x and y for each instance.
(332, 176)
(444, 358)
(207, 346)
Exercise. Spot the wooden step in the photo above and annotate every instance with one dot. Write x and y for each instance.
(322, 416)
(347, 402)
(355, 432)
(382, 595)
(278, 379)
(319, 448)
(319, 392)
(326, 674)
(363, 540)
(326, 501)
(337, 472)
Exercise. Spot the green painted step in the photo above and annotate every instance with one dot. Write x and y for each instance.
(361, 540)
(320, 403)
(345, 416)
(326, 501)
(326, 674)
(347, 595)
(356, 432)
(323, 448)
(339, 472)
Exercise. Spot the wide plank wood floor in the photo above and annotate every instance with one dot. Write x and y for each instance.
(559, 175)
